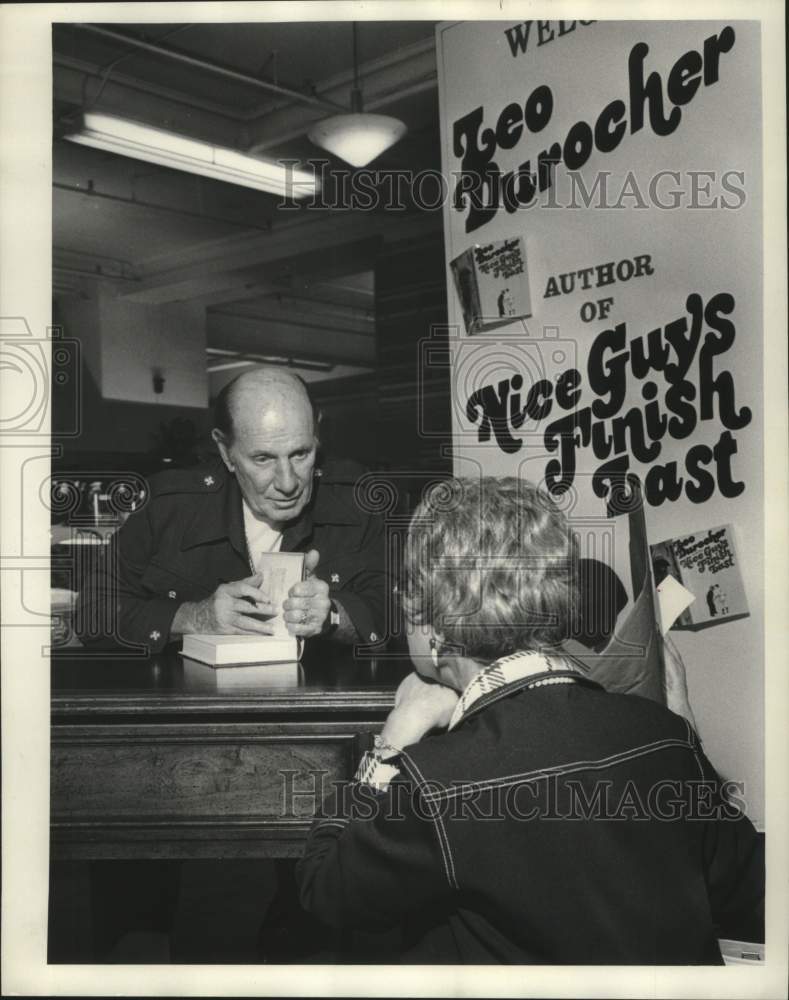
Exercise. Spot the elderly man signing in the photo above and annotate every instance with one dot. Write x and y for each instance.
(188, 561)
(513, 811)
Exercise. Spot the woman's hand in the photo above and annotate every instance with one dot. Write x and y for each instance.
(419, 707)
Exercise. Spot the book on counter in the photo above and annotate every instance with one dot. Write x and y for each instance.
(492, 283)
(706, 564)
(245, 676)
(226, 650)
(279, 571)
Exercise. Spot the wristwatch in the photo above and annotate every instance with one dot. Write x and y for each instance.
(332, 619)
(383, 750)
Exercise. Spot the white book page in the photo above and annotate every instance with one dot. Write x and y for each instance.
(280, 571)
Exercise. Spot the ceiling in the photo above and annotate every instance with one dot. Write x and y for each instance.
(274, 280)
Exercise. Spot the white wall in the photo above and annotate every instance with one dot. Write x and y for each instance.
(138, 339)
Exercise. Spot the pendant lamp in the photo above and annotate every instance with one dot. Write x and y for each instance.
(358, 138)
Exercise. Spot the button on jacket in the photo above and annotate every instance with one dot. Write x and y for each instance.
(189, 538)
(555, 825)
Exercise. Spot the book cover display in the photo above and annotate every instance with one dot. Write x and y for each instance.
(706, 564)
(492, 283)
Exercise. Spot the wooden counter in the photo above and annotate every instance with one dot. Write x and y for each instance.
(156, 759)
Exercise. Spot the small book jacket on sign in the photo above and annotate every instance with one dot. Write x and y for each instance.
(492, 283)
(706, 564)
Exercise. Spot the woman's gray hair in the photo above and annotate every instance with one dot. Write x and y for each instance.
(492, 565)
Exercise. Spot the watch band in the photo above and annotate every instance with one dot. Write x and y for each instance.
(383, 750)
(332, 619)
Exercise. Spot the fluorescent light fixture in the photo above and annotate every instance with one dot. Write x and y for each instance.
(220, 359)
(357, 138)
(226, 365)
(155, 145)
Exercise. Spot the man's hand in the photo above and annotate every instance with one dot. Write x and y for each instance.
(228, 611)
(307, 605)
(419, 707)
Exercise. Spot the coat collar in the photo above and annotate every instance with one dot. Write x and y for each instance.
(512, 673)
(220, 513)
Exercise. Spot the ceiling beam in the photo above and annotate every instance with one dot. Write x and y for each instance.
(407, 71)
(254, 336)
(215, 285)
(272, 311)
(241, 291)
(70, 86)
(292, 275)
(361, 305)
(128, 97)
(356, 301)
(230, 264)
(315, 321)
(91, 192)
(209, 66)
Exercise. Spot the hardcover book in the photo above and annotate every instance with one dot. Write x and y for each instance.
(237, 677)
(219, 650)
(706, 564)
(279, 570)
(492, 283)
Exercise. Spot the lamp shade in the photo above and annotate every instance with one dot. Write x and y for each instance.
(357, 138)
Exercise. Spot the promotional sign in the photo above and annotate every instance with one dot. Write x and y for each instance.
(626, 158)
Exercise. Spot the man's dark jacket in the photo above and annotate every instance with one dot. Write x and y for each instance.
(555, 825)
(189, 537)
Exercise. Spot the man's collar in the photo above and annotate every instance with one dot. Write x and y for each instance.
(501, 678)
(220, 514)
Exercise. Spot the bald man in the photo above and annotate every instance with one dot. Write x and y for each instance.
(189, 560)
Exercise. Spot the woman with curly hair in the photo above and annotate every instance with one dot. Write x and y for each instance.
(513, 811)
